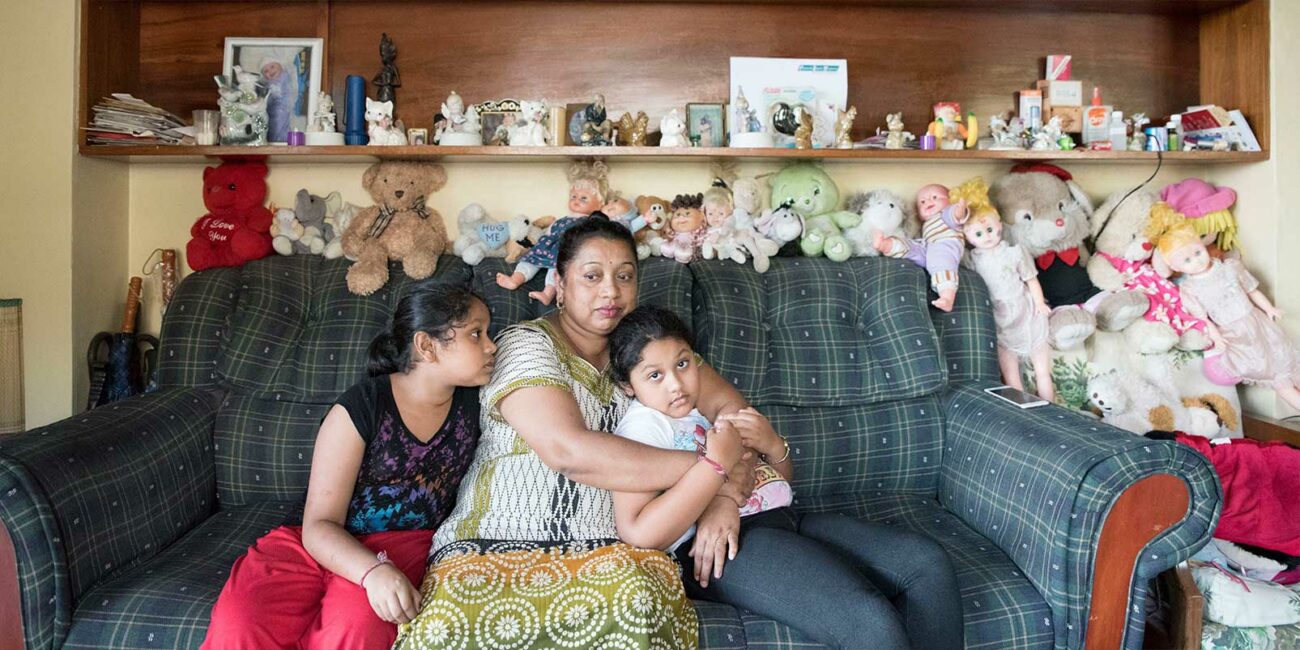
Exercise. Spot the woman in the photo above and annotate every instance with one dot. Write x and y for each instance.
(529, 557)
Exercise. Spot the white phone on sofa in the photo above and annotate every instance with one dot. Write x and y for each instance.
(1016, 397)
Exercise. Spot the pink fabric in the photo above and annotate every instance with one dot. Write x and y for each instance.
(1166, 301)
(1260, 483)
(278, 596)
(1195, 198)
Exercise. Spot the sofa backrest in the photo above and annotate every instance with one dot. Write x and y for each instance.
(843, 357)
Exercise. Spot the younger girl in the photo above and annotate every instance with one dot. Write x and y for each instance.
(844, 582)
(388, 461)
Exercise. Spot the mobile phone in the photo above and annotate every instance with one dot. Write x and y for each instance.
(1016, 397)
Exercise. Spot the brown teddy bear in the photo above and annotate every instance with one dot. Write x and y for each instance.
(399, 226)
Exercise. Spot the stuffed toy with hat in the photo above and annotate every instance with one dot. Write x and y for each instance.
(1047, 214)
(237, 227)
(1209, 210)
(398, 227)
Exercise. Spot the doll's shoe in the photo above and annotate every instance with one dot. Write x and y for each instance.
(838, 249)
(812, 244)
(1069, 328)
(1121, 309)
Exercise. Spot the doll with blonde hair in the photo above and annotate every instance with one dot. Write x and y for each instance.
(1240, 319)
(588, 188)
(1019, 308)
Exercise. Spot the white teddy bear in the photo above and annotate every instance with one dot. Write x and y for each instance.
(881, 211)
(482, 237)
(1131, 403)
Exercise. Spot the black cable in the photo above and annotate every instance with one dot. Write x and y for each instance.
(1160, 159)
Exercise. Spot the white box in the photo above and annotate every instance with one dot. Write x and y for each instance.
(1062, 93)
(820, 83)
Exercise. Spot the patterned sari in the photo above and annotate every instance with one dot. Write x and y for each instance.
(530, 558)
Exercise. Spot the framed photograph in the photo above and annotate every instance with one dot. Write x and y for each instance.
(576, 114)
(291, 77)
(706, 124)
(496, 118)
(417, 136)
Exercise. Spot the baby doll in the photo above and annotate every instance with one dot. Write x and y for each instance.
(1018, 305)
(718, 240)
(688, 228)
(940, 247)
(1240, 319)
(621, 211)
(587, 190)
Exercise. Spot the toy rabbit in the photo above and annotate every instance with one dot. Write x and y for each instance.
(1241, 320)
(1018, 304)
(940, 247)
(587, 190)
(688, 226)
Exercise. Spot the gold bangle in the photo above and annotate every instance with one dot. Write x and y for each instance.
(783, 458)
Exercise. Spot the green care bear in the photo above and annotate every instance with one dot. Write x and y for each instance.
(808, 190)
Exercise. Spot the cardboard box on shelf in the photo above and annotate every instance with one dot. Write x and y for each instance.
(1061, 93)
(1071, 118)
(1031, 108)
(1058, 67)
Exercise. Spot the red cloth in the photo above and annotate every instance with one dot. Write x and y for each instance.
(1069, 256)
(278, 596)
(1261, 481)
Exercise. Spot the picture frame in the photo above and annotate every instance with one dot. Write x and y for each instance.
(574, 114)
(706, 123)
(496, 117)
(291, 69)
(417, 137)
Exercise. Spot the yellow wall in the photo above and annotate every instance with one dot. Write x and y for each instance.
(64, 217)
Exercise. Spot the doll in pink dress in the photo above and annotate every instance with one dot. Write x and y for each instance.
(689, 227)
(1241, 321)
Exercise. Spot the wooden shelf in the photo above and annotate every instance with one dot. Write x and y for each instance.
(356, 154)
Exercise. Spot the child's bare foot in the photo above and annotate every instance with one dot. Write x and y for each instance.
(545, 296)
(946, 298)
(882, 243)
(511, 282)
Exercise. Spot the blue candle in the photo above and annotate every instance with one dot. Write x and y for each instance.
(355, 129)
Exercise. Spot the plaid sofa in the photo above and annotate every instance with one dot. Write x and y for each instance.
(124, 521)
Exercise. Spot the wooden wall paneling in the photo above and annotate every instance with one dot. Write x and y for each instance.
(110, 54)
(899, 58)
(1234, 44)
(182, 43)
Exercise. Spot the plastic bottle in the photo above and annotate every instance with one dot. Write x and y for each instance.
(1118, 131)
(1096, 120)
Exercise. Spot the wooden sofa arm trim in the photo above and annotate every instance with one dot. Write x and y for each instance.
(1143, 511)
(11, 597)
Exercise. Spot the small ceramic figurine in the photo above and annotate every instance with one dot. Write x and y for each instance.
(1138, 141)
(631, 131)
(939, 250)
(595, 129)
(1004, 138)
(672, 130)
(323, 120)
(243, 109)
(459, 126)
(803, 135)
(688, 228)
(1241, 320)
(1019, 308)
(382, 128)
(843, 127)
(746, 117)
(897, 138)
(387, 81)
(947, 127)
(1048, 138)
(530, 129)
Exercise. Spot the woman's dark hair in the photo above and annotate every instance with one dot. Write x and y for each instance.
(645, 325)
(595, 226)
(434, 309)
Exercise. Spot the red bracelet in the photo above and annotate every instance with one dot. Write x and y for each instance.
(382, 558)
(722, 471)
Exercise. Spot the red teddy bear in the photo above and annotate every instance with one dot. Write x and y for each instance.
(237, 227)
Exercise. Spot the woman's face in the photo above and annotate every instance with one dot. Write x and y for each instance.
(598, 287)
(272, 70)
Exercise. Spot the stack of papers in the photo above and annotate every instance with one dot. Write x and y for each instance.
(125, 120)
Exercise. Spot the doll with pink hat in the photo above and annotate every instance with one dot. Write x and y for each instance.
(1241, 320)
(1209, 211)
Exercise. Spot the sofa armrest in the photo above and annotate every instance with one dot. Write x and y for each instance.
(1055, 490)
(86, 496)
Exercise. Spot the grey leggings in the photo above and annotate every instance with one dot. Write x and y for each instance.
(845, 582)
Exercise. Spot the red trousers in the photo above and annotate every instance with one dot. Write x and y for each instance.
(278, 596)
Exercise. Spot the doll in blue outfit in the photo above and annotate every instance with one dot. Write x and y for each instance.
(588, 187)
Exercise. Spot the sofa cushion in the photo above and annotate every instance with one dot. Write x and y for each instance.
(894, 446)
(192, 329)
(298, 334)
(812, 332)
(968, 335)
(166, 602)
(1001, 609)
(263, 448)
